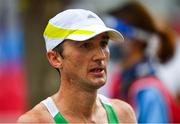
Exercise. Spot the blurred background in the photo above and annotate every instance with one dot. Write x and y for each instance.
(26, 78)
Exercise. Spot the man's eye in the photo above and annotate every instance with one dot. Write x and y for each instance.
(104, 43)
(85, 45)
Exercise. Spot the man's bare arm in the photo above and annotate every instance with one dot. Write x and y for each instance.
(36, 115)
(124, 111)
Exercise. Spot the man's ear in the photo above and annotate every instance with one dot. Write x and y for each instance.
(54, 59)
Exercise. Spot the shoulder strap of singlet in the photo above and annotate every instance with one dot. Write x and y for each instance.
(53, 110)
(112, 117)
(58, 118)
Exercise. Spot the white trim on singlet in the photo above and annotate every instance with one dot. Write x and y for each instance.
(50, 105)
(53, 110)
(104, 99)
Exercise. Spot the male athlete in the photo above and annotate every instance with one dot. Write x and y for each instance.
(77, 46)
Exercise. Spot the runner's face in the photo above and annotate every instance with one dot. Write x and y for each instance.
(85, 62)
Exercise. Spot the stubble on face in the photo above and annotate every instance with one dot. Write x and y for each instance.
(80, 69)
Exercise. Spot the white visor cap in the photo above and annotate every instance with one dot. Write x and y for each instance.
(77, 25)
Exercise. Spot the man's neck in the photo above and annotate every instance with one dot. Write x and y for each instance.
(76, 101)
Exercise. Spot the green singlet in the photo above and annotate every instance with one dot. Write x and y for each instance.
(58, 117)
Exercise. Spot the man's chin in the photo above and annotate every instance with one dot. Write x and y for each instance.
(98, 83)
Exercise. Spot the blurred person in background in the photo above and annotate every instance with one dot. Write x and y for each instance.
(169, 71)
(77, 46)
(137, 82)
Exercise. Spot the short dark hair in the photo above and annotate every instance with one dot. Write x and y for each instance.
(59, 49)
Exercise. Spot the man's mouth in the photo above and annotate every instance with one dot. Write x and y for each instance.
(97, 71)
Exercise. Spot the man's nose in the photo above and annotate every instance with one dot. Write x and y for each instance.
(99, 54)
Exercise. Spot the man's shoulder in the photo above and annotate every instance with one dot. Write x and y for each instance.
(38, 114)
(124, 111)
(122, 106)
